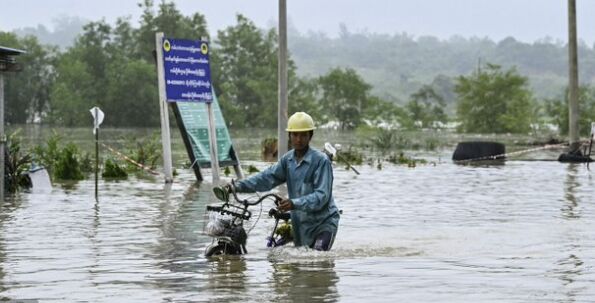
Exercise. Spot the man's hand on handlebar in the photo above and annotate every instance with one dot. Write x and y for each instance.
(223, 192)
(285, 205)
(228, 187)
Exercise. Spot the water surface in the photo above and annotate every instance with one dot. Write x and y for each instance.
(518, 232)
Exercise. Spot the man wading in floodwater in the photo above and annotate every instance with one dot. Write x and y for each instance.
(309, 176)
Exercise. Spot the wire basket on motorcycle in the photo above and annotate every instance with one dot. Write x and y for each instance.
(232, 210)
(220, 218)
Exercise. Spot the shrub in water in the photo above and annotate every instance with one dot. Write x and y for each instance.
(67, 166)
(145, 151)
(385, 140)
(252, 169)
(350, 155)
(432, 143)
(17, 164)
(113, 170)
(63, 164)
(269, 149)
(402, 159)
(48, 155)
(87, 163)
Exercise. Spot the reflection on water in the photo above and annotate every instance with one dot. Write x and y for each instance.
(570, 268)
(4, 214)
(520, 232)
(305, 282)
(569, 210)
(227, 277)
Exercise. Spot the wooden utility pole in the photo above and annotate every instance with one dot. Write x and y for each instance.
(282, 113)
(573, 109)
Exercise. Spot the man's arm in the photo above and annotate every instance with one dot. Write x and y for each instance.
(265, 180)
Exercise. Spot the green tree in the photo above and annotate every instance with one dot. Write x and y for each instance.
(131, 95)
(27, 93)
(303, 98)
(380, 111)
(494, 101)
(344, 96)
(246, 74)
(82, 81)
(557, 110)
(168, 20)
(427, 107)
(70, 98)
(445, 87)
(113, 67)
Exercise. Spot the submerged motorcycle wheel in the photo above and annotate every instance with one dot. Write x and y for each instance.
(222, 249)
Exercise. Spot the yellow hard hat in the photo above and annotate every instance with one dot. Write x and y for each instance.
(300, 122)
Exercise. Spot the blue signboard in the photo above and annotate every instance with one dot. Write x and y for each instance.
(187, 71)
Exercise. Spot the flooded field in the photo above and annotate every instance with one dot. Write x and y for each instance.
(518, 232)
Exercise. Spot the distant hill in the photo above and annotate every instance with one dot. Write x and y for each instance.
(397, 65)
(64, 31)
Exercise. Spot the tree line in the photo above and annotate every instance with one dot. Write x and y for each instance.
(399, 64)
(112, 66)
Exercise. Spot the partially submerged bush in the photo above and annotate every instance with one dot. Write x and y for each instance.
(62, 163)
(68, 166)
(386, 140)
(402, 159)
(113, 170)
(350, 155)
(87, 163)
(252, 169)
(17, 164)
(432, 143)
(146, 151)
(269, 149)
(48, 155)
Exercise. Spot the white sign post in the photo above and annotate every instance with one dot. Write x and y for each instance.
(213, 143)
(213, 146)
(164, 113)
(97, 120)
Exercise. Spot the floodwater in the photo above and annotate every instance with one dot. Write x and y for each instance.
(519, 232)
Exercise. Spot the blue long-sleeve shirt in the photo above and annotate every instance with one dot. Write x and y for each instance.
(310, 188)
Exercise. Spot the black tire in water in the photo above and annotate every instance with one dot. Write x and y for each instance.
(574, 157)
(216, 250)
(222, 249)
(477, 150)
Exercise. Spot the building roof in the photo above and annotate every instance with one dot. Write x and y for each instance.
(7, 51)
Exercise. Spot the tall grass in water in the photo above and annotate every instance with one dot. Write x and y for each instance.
(17, 164)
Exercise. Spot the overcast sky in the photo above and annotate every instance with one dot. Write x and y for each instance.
(526, 20)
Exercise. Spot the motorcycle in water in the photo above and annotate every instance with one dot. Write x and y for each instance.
(226, 223)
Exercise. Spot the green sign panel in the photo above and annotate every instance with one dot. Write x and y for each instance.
(194, 120)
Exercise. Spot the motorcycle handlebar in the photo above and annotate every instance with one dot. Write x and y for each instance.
(248, 203)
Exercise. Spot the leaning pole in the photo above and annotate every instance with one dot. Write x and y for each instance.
(573, 109)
